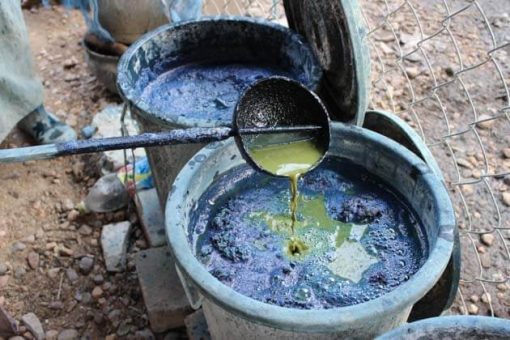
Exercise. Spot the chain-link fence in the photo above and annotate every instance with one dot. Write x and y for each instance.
(443, 66)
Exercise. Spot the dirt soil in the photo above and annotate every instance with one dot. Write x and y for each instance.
(37, 216)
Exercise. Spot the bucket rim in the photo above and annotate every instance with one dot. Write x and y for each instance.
(315, 320)
(127, 92)
(482, 323)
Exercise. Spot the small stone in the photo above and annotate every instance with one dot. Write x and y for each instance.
(486, 298)
(473, 309)
(85, 230)
(19, 272)
(88, 131)
(502, 287)
(18, 246)
(31, 321)
(486, 260)
(98, 279)
(488, 239)
(3, 268)
(114, 242)
(39, 233)
(73, 215)
(70, 63)
(97, 292)
(4, 280)
(145, 334)
(413, 72)
(68, 334)
(86, 265)
(51, 245)
(51, 334)
(506, 153)
(486, 122)
(86, 298)
(196, 326)
(33, 260)
(72, 275)
(67, 205)
(481, 249)
(464, 163)
(30, 239)
(506, 198)
(110, 337)
(56, 305)
(53, 272)
(64, 251)
(474, 298)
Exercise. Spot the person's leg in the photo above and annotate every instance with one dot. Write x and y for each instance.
(21, 93)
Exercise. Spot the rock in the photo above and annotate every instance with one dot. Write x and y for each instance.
(151, 217)
(68, 334)
(486, 298)
(85, 230)
(73, 215)
(97, 292)
(31, 321)
(33, 260)
(166, 308)
(64, 251)
(196, 326)
(488, 239)
(413, 72)
(145, 334)
(114, 242)
(472, 309)
(72, 275)
(18, 246)
(88, 131)
(51, 335)
(30, 239)
(464, 163)
(502, 287)
(19, 272)
(474, 298)
(86, 265)
(86, 298)
(51, 245)
(8, 326)
(53, 272)
(3, 268)
(485, 259)
(506, 198)
(98, 279)
(4, 280)
(110, 337)
(506, 153)
(67, 205)
(486, 122)
(56, 305)
(70, 63)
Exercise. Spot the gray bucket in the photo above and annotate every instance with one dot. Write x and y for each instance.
(231, 315)
(213, 40)
(454, 328)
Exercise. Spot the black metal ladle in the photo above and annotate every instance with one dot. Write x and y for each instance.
(275, 105)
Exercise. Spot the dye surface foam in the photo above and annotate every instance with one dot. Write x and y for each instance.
(360, 239)
(206, 91)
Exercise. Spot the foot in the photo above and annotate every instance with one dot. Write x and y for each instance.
(45, 128)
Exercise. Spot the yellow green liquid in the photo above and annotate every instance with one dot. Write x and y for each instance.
(292, 160)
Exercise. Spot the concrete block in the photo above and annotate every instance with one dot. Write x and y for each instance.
(164, 297)
(196, 326)
(151, 217)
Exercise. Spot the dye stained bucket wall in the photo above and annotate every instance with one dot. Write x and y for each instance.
(231, 315)
(209, 40)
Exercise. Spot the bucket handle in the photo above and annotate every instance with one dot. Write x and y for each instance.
(194, 297)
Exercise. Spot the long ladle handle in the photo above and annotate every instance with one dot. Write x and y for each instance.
(172, 137)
